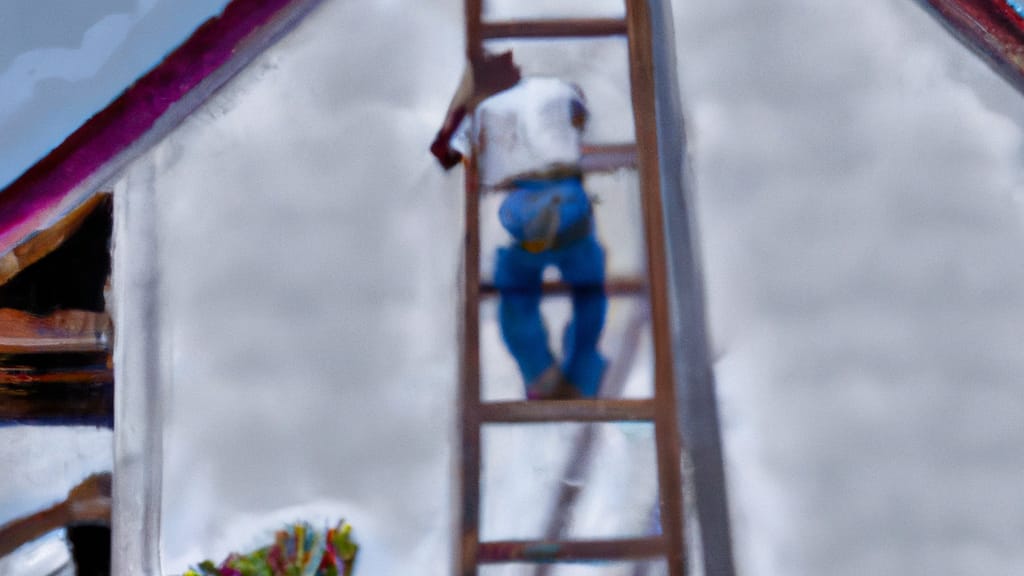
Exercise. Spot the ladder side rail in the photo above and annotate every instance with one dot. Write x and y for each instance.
(638, 16)
(474, 30)
(697, 404)
(572, 550)
(469, 458)
(469, 417)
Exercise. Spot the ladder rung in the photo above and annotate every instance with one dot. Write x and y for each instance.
(608, 157)
(580, 28)
(586, 410)
(570, 550)
(613, 287)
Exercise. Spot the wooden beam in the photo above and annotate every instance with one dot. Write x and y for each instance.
(468, 416)
(552, 29)
(62, 331)
(570, 550)
(87, 403)
(586, 410)
(613, 287)
(86, 377)
(645, 122)
(608, 157)
(34, 247)
(56, 369)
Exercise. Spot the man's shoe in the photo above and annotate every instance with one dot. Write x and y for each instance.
(552, 385)
(566, 390)
(547, 385)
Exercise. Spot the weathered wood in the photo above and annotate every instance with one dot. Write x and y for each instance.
(662, 408)
(570, 550)
(613, 287)
(56, 369)
(88, 400)
(468, 521)
(474, 35)
(586, 410)
(34, 247)
(608, 157)
(62, 331)
(29, 380)
(548, 29)
(668, 447)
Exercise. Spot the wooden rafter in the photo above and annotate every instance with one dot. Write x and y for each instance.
(62, 331)
(34, 247)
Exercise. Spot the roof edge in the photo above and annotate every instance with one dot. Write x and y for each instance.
(989, 28)
(145, 112)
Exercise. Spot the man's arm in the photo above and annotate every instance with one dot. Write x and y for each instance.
(480, 80)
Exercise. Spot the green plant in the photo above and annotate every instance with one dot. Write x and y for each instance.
(298, 550)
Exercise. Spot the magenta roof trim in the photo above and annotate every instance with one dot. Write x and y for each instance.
(212, 55)
(993, 29)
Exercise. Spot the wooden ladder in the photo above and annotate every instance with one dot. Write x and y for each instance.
(661, 408)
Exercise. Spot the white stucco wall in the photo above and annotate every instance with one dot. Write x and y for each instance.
(857, 175)
(308, 256)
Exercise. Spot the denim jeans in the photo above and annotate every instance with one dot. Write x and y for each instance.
(518, 276)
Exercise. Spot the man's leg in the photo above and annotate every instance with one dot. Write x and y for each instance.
(582, 266)
(517, 275)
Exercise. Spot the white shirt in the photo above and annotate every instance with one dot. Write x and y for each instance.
(526, 130)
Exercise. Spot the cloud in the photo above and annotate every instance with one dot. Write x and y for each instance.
(861, 237)
(99, 43)
(50, 90)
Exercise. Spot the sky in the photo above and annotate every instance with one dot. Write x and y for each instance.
(858, 191)
(859, 185)
(61, 62)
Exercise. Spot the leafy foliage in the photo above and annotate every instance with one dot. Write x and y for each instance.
(298, 550)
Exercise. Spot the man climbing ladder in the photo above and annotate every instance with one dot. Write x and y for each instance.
(528, 138)
(674, 296)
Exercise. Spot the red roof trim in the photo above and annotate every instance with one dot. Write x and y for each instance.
(990, 28)
(242, 30)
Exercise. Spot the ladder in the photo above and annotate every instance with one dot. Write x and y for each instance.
(473, 414)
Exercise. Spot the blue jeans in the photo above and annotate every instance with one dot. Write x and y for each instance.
(518, 275)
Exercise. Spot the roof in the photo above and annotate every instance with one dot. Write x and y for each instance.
(993, 29)
(51, 194)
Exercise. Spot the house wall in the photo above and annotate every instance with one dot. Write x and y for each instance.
(857, 174)
(305, 254)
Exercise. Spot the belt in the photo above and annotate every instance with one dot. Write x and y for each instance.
(574, 233)
(558, 172)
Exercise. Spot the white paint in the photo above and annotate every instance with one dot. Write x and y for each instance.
(857, 175)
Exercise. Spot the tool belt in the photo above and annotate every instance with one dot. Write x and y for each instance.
(574, 233)
(558, 172)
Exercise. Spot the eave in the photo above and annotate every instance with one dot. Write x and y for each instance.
(57, 186)
(989, 28)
